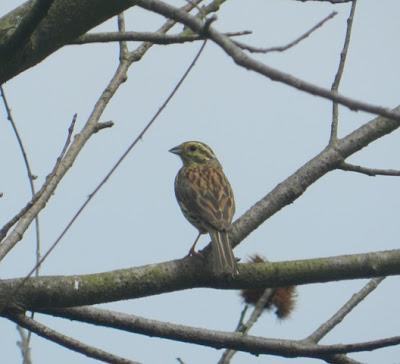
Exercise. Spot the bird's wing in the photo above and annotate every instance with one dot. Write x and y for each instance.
(208, 196)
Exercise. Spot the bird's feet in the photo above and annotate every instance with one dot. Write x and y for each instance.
(194, 253)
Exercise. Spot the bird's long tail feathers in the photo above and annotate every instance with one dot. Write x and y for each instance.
(223, 260)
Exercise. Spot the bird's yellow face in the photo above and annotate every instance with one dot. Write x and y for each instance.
(194, 152)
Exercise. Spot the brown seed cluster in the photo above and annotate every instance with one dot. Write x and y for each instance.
(283, 299)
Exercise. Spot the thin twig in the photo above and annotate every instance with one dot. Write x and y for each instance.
(24, 345)
(339, 74)
(327, 326)
(289, 45)
(27, 167)
(25, 349)
(103, 125)
(155, 38)
(123, 47)
(245, 61)
(195, 5)
(67, 341)
(68, 139)
(7, 226)
(368, 171)
(241, 318)
(244, 328)
(340, 359)
(328, 1)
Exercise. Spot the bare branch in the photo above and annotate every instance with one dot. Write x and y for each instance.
(66, 341)
(327, 326)
(242, 59)
(340, 359)
(123, 47)
(188, 273)
(156, 37)
(68, 139)
(244, 328)
(368, 171)
(339, 74)
(104, 125)
(214, 338)
(24, 346)
(289, 45)
(8, 244)
(27, 167)
(7, 226)
(328, 1)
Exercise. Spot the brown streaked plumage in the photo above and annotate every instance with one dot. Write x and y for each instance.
(206, 200)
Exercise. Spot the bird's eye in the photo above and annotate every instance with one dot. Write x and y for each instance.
(192, 148)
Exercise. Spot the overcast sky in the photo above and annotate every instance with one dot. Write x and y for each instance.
(261, 131)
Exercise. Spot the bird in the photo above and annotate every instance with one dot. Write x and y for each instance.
(206, 199)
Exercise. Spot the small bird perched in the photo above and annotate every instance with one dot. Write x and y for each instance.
(206, 200)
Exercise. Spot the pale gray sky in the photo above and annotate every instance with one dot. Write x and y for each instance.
(261, 131)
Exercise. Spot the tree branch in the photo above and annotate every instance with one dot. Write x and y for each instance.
(25, 26)
(54, 31)
(242, 59)
(66, 341)
(244, 328)
(368, 171)
(190, 272)
(328, 1)
(214, 338)
(289, 45)
(295, 185)
(24, 346)
(339, 73)
(327, 326)
(152, 37)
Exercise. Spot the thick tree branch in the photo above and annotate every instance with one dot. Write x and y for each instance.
(54, 31)
(214, 338)
(13, 40)
(190, 272)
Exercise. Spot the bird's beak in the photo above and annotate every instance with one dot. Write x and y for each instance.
(176, 150)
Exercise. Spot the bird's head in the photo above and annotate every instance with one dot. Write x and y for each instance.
(194, 152)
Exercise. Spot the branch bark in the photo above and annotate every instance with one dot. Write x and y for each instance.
(54, 30)
(214, 338)
(190, 272)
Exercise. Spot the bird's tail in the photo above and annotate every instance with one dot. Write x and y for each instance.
(223, 260)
